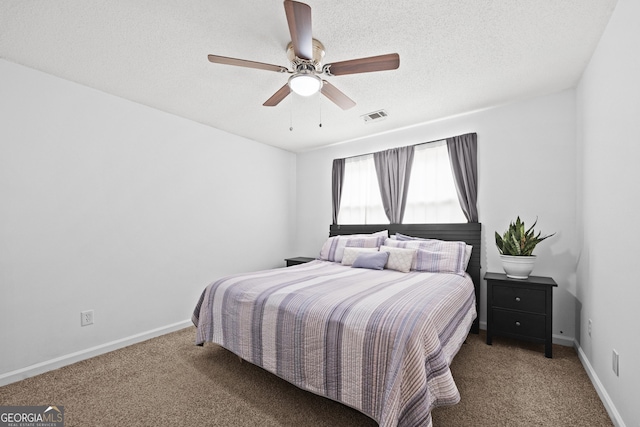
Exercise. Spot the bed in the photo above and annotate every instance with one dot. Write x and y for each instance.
(380, 341)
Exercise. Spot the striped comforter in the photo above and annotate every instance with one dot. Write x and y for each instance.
(378, 341)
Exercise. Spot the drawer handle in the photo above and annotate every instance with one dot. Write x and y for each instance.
(517, 323)
(517, 299)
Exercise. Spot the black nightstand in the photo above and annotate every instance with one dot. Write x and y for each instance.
(520, 308)
(297, 260)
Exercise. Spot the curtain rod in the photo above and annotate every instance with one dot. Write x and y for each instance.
(412, 145)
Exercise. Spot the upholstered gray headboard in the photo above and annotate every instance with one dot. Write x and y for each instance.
(465, 232)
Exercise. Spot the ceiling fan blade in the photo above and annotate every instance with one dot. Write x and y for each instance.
(390, 61)
(299, 19)
(278, 96)
(336, 96)
(244, 63)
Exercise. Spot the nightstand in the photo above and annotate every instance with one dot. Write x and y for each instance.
(520, 308)
(297, 260)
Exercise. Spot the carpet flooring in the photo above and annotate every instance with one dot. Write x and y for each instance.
(168, 381)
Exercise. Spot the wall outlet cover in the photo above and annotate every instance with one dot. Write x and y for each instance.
(86, 318)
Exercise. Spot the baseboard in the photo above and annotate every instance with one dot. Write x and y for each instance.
(562, 340)
(602, 393)
(68, 359)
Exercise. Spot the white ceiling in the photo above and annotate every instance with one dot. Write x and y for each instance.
(455, 56)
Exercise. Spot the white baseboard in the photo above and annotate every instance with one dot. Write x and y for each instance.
(563, 340)
(604, 396)
(68, 359)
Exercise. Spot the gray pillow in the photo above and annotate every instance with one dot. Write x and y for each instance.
(371, 260)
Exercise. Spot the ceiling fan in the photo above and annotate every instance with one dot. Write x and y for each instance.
(305, 54)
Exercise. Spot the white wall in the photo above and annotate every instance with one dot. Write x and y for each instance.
(112, 206)
(526, 167)
(608, 290)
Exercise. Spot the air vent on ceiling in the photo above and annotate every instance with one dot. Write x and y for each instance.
(375, 116)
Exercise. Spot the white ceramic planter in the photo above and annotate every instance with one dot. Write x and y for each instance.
(518, 267)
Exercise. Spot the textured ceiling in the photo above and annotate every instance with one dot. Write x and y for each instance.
(455, 56)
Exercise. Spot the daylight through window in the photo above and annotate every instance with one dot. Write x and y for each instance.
(431, 198)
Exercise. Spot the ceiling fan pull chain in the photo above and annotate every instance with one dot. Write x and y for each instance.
(291, 114)
(320, 109)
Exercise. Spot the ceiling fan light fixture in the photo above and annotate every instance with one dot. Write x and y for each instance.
(305, 84)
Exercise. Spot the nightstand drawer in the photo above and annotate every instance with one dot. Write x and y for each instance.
(517, 323)
(516, 298)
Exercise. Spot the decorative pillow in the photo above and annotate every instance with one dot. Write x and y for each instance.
(467, 251)
(333, 248)
(400, 259)
(373, 261)
(404, 237)
(351, 253)
(436, 256)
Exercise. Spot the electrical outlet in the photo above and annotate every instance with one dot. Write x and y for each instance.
(86, 318)
(615, 363)
(589, 327)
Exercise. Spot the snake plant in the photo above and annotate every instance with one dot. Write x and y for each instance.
(518, 242)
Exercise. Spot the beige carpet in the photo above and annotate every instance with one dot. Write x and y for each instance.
(167, 381)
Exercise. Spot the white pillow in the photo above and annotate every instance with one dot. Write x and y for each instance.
(350, 254)
(400, 259)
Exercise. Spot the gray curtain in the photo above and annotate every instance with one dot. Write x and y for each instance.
(464, 164)
(393, 168)
(337, 179)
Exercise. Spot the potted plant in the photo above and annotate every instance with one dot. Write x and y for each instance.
(516, 246)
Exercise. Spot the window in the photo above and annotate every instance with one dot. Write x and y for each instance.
(432, 195)
(431, 198)
(361, 202)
